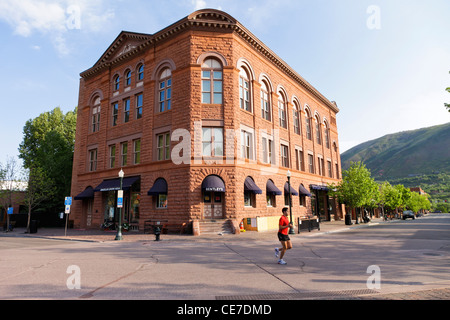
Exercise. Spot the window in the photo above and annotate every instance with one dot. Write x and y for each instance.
(244, 91)
(296, 118)
(284, 156)
(330, 172)
(165, 90)
(163, 146)
(212, 140)
(112, 156)
(162, 201)
(127, 78)
(126, 110)
(115, 113)
(123, 153)
(140, 73)
(308, 124)
(93, 160)
(282, 111)
(139, 104)
(302, 198)
(326, 134)
(137, 151)
(337, 170)
(317, 125)
(116, 83)
(299, 160)
(96, 116)
(265, 102)
(321, 168)
(311, 163)
(246, 144)
(267, 150)
(212, 82)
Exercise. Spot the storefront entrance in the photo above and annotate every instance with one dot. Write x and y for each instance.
(213, 197)
(212, 205)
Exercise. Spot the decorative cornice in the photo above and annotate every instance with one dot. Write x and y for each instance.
(207, 18)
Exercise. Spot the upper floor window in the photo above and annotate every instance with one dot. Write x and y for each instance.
(93, 160)
(139, 104)
(163, 146)
(212, 142)
(326, 134)
(115, 113)
(117, 83)
(244, 91)
(285, 156)
(126, 110)
(137, 151)
(308, 124)
(127, 78)
(246, 144)
(282, 111)
(165, 90)
(296, 118)
(212, 82)
(96, 115)
(317, 133)
(140, 72)
(265, 102)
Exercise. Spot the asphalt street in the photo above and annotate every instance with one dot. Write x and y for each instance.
(387, 260)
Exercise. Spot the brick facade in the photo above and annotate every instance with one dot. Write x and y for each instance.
(182, 48)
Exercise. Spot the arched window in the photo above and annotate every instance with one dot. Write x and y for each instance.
(127, 78)
(317, 126)
(116, 83)
(296, 118)
(140, 72)
(95, 117)
(212, 82)
(265, 102)
(165, 90)
(282, 110)
(326, 134)
(308, 124)
(244, 90)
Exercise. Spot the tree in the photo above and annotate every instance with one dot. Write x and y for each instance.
(8, 184)
(391, 197)
(36, 192)
(356, 189)
(47, 146)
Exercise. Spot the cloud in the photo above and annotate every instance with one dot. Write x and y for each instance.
(54, 18)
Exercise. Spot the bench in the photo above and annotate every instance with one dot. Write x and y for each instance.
(308, 224)
(174, 227)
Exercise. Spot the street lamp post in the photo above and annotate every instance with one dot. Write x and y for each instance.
(119, 205)
(291, 229)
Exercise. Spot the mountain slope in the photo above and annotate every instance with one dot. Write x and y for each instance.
(421, 151)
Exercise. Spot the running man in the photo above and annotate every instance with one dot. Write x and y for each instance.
(283, 231)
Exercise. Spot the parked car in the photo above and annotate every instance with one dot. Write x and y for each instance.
(408, 214)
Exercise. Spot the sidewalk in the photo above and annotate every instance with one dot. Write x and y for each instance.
(93, 235)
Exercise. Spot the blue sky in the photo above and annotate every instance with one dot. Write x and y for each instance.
(385, 62)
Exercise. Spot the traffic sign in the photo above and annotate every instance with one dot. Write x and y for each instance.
(68, 201)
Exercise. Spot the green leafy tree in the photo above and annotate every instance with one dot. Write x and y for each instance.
(47, 146)
(391, 197)
(357, 189)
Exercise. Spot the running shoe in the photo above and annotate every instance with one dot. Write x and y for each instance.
(277, 252)
(281, 261)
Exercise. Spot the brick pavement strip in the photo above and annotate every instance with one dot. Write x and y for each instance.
(432, 294)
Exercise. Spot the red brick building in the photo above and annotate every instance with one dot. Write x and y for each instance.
(205, 121)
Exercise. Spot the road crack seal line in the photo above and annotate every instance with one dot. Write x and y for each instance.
(139, 268)
(312, 251)
(262, 268)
